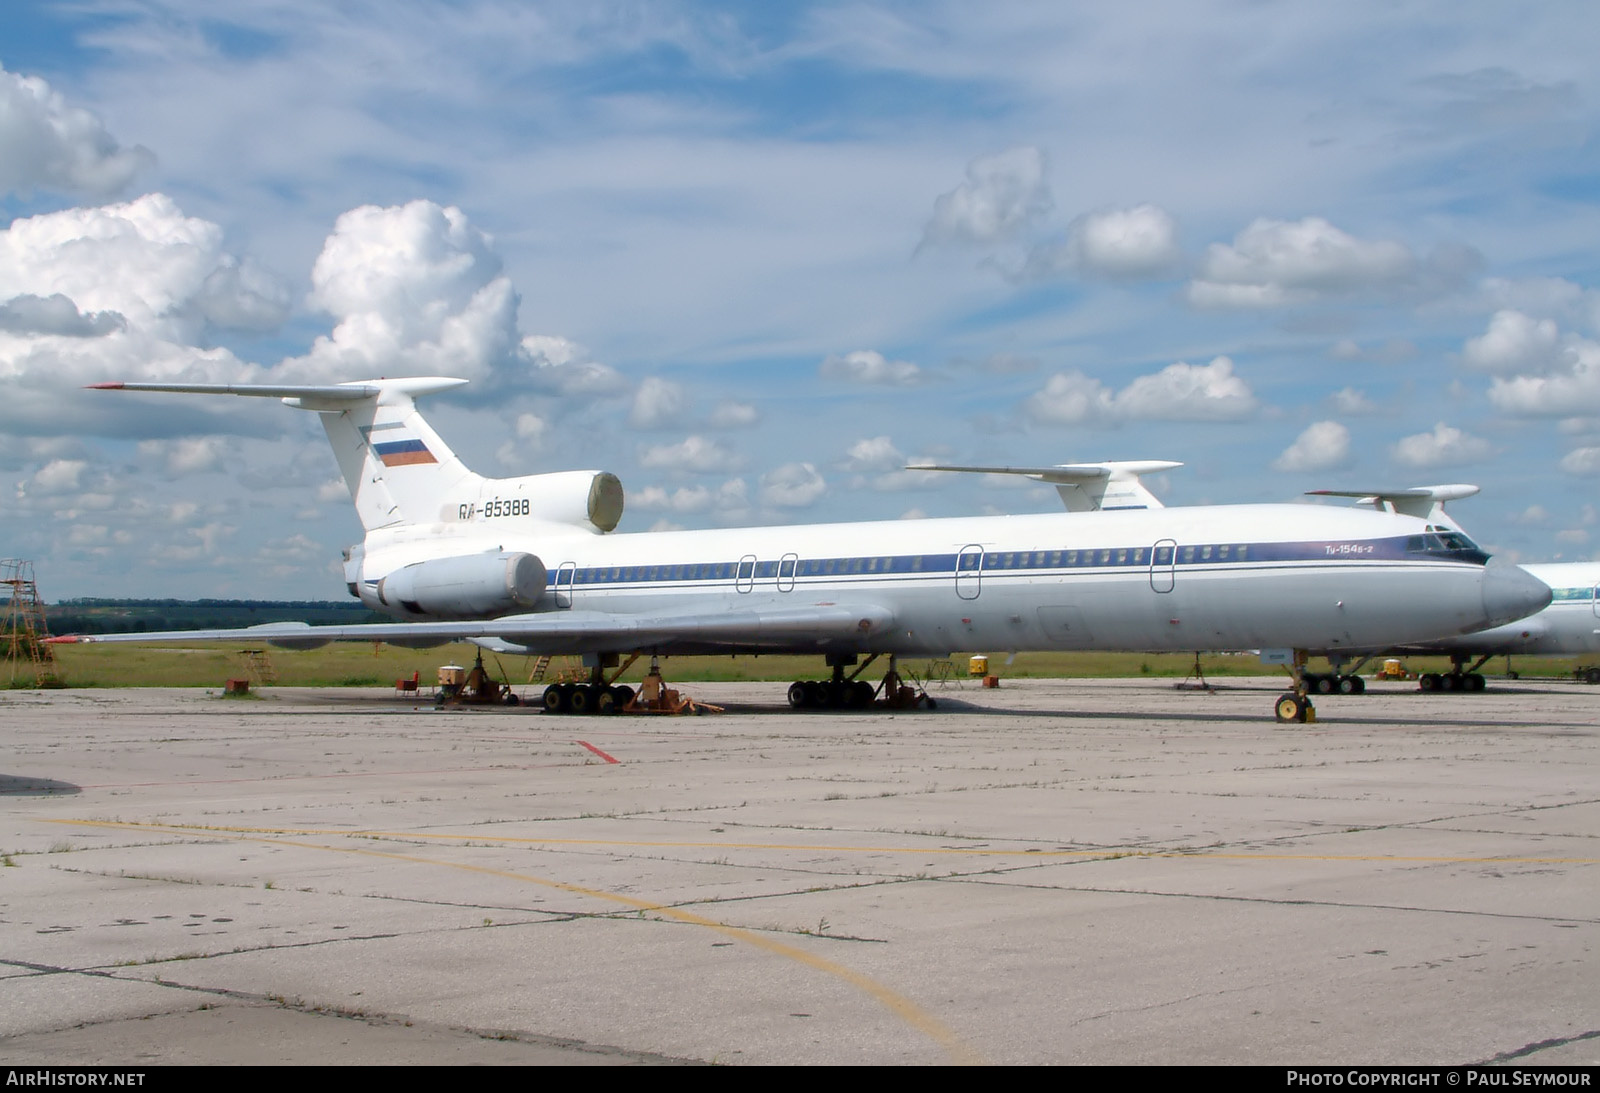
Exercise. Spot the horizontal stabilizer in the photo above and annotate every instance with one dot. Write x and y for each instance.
(411, 387)
(1085, 487)
(1423, 502)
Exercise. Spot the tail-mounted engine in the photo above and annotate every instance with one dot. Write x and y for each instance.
(586, 499)
(471, 586)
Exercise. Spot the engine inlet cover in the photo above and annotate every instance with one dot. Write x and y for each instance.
(471, 586)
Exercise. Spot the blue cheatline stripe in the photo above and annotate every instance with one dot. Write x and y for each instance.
(1192, 557)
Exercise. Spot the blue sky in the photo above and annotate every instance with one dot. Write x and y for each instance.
(753, 258)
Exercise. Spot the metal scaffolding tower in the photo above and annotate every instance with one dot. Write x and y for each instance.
(23, 629)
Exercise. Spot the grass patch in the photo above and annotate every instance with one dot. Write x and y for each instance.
(364, 664)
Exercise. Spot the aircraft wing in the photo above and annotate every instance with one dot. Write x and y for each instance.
(801, 629)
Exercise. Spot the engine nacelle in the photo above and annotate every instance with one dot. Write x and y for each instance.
(472, 586)
(282, 634)
(586, 499)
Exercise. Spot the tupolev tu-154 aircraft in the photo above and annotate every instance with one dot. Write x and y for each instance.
(1569, 626)
(531, 565)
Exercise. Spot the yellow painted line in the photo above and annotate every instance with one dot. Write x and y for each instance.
(645, 844)
(898, 1004)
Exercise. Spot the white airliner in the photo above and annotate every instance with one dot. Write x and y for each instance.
(1569, 626)
(529, 565)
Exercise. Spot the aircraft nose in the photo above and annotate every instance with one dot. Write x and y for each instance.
(1510, 593)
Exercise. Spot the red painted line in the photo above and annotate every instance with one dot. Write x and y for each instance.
(597, 751)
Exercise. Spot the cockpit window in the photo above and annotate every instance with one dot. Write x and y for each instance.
(1443, 543)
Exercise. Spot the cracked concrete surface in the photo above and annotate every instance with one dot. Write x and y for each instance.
(1077, 871)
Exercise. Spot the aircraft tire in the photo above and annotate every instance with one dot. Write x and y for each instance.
(1476, 682)
(622, 694)
(1324, 685)
(552, 698)
(798, 699)
(1352, 685)
(1450, 681)
(1428, 682)
(604, 701)
(1291, 708)
(581, 700)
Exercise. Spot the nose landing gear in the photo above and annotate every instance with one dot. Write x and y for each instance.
(1294, 705)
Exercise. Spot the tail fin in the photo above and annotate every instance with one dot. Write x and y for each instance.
(396, 467)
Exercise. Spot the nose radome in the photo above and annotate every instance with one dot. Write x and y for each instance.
(1510, 593)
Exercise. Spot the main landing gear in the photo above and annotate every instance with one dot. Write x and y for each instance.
(1338, 681)
(598, 695)
(841, 692)
(1294, 705)
(1335, 683)
(1458, 678)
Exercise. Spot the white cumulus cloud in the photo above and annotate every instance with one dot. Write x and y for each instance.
(412, 288)
(1127, 244)
(876, 453)
(1445, 446)
(792, 486)
(1515, 342)
(1003, 193)
(1273, 263)
(870, 366)
(1348, 400)
(47, 144)
(160, 272)
(658, 404)
(1179, 392)
(560, 366)
(733, 415)
(1572, 388)
(186, 455)
(124, 292)
(693, 453)
(1324, 446)
(1583, 461)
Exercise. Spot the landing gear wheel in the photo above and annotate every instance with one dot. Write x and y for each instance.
(799, 699)
(552, 698)
(1476, 682)
(860, 694)
(1352, 685)
(604, 701)
(622, 694)
(1291, 707)
(1323, 685)
(1450, 681)
(1429, 682)
(582, 700)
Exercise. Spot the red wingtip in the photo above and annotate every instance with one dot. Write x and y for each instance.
(64, 639)
(103, 386)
